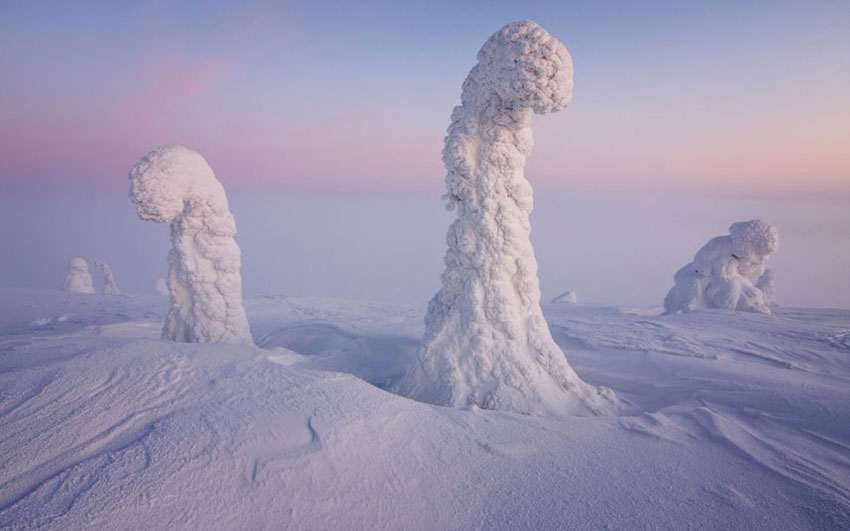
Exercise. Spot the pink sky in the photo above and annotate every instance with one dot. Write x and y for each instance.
(284, 100)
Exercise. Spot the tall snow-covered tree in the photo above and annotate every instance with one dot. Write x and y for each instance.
(486, 342)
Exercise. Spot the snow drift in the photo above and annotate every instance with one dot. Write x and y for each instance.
(77, 277)
(486, 342)
(175, 184)
(729, 272)
(109, 285)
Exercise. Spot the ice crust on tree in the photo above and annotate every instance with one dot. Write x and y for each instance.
(109, 285)
(565, 298)
(486, 342)
(728, 272)
(175, 184)
(77, 277)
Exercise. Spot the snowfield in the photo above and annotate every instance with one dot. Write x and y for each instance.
(730, 421)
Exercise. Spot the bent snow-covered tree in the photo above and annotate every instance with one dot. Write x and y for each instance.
(728, 272)
(77, 277)
(486, 342)
(175, 184)
(109, 285)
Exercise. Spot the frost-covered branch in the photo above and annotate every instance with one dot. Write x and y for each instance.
(728, 272)
(486, 342)
(77, 277)
(174, 184)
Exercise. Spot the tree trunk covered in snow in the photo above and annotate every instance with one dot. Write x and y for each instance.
(486, 342)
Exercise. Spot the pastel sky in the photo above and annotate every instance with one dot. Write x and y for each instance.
(357, 95)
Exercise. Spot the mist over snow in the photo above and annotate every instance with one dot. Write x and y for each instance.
(613, 248)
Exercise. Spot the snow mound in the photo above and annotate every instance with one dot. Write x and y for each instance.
(566, 297)
(486, 342)
(728, 272)
(77, 277)
(174, 184)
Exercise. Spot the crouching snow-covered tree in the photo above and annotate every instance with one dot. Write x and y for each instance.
(175, 184)
(566, 297)
(486, 342)
(109, 285)
(728, 272)
(77, 277)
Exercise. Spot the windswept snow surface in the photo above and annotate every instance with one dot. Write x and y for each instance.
(730, 421)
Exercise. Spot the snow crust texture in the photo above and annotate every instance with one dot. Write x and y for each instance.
(109, 285)
(77, 277)
(486, 342)
(729, 272)
(567, 297)
(174, 184)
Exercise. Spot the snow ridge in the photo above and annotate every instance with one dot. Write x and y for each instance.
(175, 184)
(486, 342)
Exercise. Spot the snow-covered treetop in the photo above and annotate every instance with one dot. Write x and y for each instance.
(525, 67)
(167, 177)
(78, 264)
(753, 238)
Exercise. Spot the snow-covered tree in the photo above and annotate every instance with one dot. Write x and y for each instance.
(486, 342)
(160, 286)
(566, 297)
(174, 184)
(77, 277)
(109, 285)
(728, 272)
(766, 283)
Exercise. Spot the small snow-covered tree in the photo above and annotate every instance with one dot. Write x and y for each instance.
(566, 297)
(486, 342)
(728, 272)
(160, 286)
(77, 277)
(174, 184)
(109, 285)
